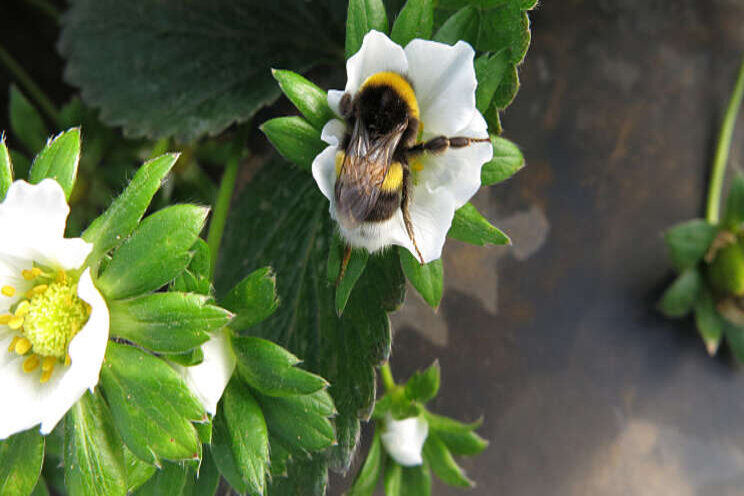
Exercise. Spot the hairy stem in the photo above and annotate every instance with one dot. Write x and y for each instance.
(33, 90)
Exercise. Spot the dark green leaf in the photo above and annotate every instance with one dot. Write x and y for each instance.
(471, 227)
(688, 242)
(138, 471)
(734, 213)
(304, 478)
(310, 100)
(21, 164)
(58, 160)
(416, 481)
(393, 480)
(459, 438)
(41, 488)
(208, 478)
(94, 460)
(463, 25)
(174, 69)
(416, 20)
(423, 386)
(438, 457)
(112, 227)
(354, 270)
(735, 338)
(708, 321)
(157, 252)
(427, 278)
(726, 271)
(271, 369)
(27, 125)
(366, 479)
(253, 299)
(152, 407)
(679, 299)
(166, 322)
(170, 480)
(489, 71)
(21, 457)
(295, 139)
(188, 359)
(362, 17)
(507, 160)
(6, 168)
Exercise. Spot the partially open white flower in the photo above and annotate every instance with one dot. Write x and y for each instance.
(439, 82)
(404, 439)
(54, 324)
(208, 379)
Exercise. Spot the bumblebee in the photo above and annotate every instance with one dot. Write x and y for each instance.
(373, 172)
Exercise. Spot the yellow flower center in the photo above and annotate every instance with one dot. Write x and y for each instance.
(46, 319)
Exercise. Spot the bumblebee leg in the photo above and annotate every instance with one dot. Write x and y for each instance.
(442, 143)
(345, 106)
(404, 202)
(344, 264)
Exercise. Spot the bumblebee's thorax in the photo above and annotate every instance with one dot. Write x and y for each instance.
(384, 101)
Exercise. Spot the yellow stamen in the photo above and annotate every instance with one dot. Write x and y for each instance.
(29, 294)
(31, 274)
(22, 309)
(8, 291)
(15, 323)
(47, 365)
(416, 166)
(45, 376)
(61, 277)
(40, 288)
(67, 360)
(5, 318)
(13, 344)
(22, 346)
(30, 363)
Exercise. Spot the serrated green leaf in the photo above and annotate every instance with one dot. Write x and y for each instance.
(271, 369)
(679, 299)
(354, 270)
(161, 70)
(427, 279)
(152, 407)
(416, 481)
(462, 25)
(507, 160)
(393, 478)
(310, 100)
(112, 227)
(138, 471)
(438, 457)
(6, 168)
(21, 457)
(253, 299)
(304, 477)
(25, 121)
(708, 321)
(733, 215)
(688, 242)
(489, 71)
(505, 93)
(459, 438)
(471, 227)
(200, 264)
(366, 479)
(170, 479)
(58, 160)
(362, 17)
(155, 254)
(166, 322)
(94, 460)
(295, 139)
(208, 478)
(423, 386)
(415, 20)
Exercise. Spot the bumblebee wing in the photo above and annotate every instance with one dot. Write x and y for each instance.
(362, 173)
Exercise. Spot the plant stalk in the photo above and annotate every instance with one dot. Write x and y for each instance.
(33, 90)
(387, 377)
(222, 206)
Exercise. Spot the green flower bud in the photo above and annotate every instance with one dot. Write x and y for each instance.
(726, 271)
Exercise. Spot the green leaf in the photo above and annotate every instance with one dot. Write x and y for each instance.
(272, 370)
(241, 440)
(58, 160)
(393, 479)
(310, 100)
(192, 357)
(354, 270)
(416, 481)
(489, 71)
(295, 139)
(439, 458)
(41, 488)
(26, 122)
(6, 168)
(708, 321)
(366, 479)
(415, 20)
(679, 299)
(734, 213)
(304, 477)
(112, 227)
(166, 322)
(459, 438)
(138, 471)
(427, 278)
(197, 277)
(94, 460)
(21, 457)
(155, 254)
(151, 405)
(726, 271)
(208, 478)
(688, 242)
(170, 479)
(735, 338)
(471, 227)
(172, 69)
(507, 160)
(424, 386)
(253, 299)
(21, 163)
(463, 25)
(362, 17)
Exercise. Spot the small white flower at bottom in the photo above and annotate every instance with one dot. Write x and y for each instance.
(404, 439)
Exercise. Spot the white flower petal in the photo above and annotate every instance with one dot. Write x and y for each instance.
(443, 78)
(431, 215)
(378, 54)
(333, 132)
(34, 211)
(324, 171)
(334, 100)
(404, 439)
(208, 379)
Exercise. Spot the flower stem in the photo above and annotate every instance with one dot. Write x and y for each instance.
(387, 377)
(33, 90)
(722, 150)
(222, 206)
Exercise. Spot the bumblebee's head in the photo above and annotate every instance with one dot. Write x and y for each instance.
(384, 101)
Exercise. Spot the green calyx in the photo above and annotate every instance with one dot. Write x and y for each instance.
(726, 271)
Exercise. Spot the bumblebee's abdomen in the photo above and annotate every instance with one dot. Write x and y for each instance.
(387, 204)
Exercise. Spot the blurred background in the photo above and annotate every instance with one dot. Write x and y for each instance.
(584, 388)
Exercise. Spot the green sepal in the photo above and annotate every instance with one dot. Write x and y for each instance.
(362, 17)
(295, 139)
(471, 227)
(204, 430)
(424, 385)
(58, 160)
(460, 438)
(25, 121)
(187, 359)
(112, 227)
(166, 322)
(310, 100)
(507, 160)
(366, 479)
(426, 278)
(416, 481)
(439, 458)
(208, 479)
(489, 71)
(253, 299)
(170, 479)
(679, 299)
(733, 215)
(138, 471)
(688, 242)
(272, 370)
(354, 270)
(151, 405)
(726, 271)
(94, 460)
(155, 254)
(393, 478)
(415, 20)
(6, 168)
(21, 458)
(735, 339)
(708, 321)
